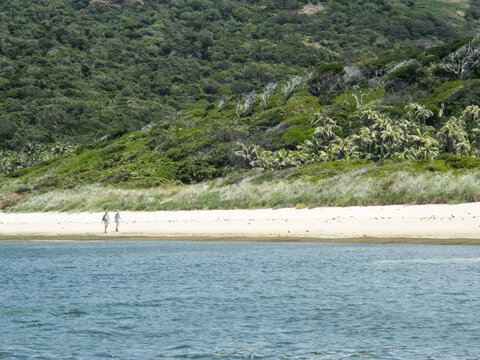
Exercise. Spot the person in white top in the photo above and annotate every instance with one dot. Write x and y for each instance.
(117, 220)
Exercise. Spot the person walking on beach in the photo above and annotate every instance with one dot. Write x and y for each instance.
(106, 220)
(117, 220)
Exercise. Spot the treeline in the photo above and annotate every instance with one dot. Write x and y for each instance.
(416, 104)
(380, 138)
(74, 72)
(413, 105)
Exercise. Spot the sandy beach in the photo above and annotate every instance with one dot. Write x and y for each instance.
(449, 222)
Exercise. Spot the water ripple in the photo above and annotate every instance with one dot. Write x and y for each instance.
(181, 300)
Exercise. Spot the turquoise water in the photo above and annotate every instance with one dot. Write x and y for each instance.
(190, 300)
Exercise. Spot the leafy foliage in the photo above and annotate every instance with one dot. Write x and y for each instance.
(396, 106)
(72, 72)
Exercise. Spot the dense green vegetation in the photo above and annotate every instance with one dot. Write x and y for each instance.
(450, 179)
(364, 130)
(72, 72)
(257, 104)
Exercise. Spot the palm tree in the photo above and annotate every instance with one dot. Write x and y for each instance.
(369, 115)
(343, 148)
(409, 128)
(390, 136)
(264, 159)
(3, 162)
(31, 150)
(246, 152)
(476, 138)
(428, 151)
(447, 134)
(321, 119)
(325, 127)
(472, 112)
(311, 145)
(463, 147)
(364, 140)
(421, 140)
(407, 125)
(16, 161)
(418, 112)
(452, 133)
(326, 132)
(406, 154)
(284, 158)
(61, 148)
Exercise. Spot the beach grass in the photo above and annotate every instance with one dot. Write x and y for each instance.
(331, 184)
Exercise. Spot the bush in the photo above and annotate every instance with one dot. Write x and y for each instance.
(193, 170)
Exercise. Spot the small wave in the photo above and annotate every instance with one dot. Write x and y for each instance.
(75, 312)
(430, 261)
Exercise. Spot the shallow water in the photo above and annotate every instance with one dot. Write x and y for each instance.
(179, 300)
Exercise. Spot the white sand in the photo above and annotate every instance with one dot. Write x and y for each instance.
(397, 221)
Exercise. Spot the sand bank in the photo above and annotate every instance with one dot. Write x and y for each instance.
(349, 223)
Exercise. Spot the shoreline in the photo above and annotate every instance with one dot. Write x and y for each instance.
(426, 224)
(245, 239)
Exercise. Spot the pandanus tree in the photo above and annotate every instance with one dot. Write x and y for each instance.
(428, 151)
(364, 141)
(390, 136)
(263, 159)
(475, 134)
(343, 149)
(463, 148)
(325, 133)
(325, 80)
(472, 113)
(406, 127)
(325, 127)
(284, 158)
(406, 154)
(418, 113)
(381, 138)
(247, 153)
(422, 139)
(461, 61)
(312, 151)
(61, 148)
(452, 133)
(368, 115)
(31, 149)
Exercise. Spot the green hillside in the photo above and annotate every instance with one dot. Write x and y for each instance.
(71, 71)
(393, 128)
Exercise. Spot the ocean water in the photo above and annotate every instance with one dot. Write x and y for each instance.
(214, 300)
